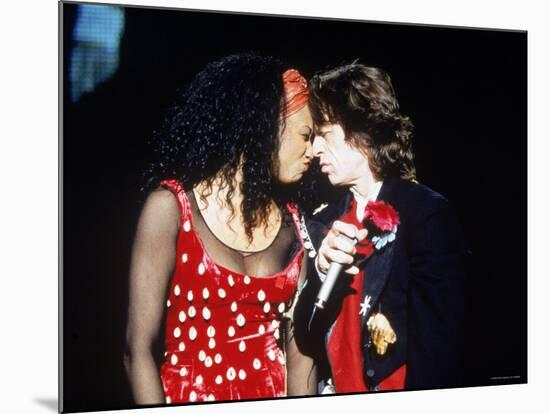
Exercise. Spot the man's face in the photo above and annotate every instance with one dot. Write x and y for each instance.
(343, 163)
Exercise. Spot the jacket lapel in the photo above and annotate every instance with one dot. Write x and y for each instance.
(319, 224)
(378, 265)
(376, 272)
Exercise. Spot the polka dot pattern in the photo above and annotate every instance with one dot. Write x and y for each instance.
(222, 326)
(231, 374)
(187, 226)
(182, 317)
(261, 295)
(256, 363)
(174, 359)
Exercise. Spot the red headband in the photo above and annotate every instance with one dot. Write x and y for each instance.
(296, 93)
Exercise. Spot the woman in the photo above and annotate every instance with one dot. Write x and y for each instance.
(218, 254)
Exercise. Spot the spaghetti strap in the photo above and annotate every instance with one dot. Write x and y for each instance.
(183, 202)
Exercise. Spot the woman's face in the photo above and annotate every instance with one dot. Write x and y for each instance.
(294, 157)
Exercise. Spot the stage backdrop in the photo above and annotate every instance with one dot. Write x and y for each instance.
(464, 89)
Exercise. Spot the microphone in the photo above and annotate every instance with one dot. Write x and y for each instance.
(334, 271)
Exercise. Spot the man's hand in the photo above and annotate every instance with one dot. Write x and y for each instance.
(381, 333)
(339, 246)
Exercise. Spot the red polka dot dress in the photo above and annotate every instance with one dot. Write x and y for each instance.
(223, 328)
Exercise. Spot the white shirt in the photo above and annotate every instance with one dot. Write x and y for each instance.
(362, 200)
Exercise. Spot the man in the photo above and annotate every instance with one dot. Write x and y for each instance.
(395, 318)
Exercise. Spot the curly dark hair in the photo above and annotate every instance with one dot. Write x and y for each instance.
(226, 118)
(361, 99)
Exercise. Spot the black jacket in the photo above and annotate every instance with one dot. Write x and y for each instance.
(416, 281)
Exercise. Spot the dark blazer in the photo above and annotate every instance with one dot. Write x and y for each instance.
(416, 281)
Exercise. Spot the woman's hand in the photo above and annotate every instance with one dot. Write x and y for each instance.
(339, 246)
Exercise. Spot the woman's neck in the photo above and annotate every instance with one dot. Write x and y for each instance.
(225, 218)
(218, 190)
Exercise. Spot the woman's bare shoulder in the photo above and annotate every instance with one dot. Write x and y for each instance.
(161, 207)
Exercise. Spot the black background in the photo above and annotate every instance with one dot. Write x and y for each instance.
(465, 90)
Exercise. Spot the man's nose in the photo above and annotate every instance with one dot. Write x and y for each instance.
(317, 146)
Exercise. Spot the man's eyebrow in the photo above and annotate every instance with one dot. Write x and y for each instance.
(321, 129)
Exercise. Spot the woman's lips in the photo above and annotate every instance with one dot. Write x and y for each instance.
(324, 166)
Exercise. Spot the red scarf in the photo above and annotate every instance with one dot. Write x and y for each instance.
(344, 344)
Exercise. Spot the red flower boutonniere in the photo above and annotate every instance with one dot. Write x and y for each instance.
(381, 220)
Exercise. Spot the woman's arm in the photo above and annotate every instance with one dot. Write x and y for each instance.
(152, 264)
(301, 369)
